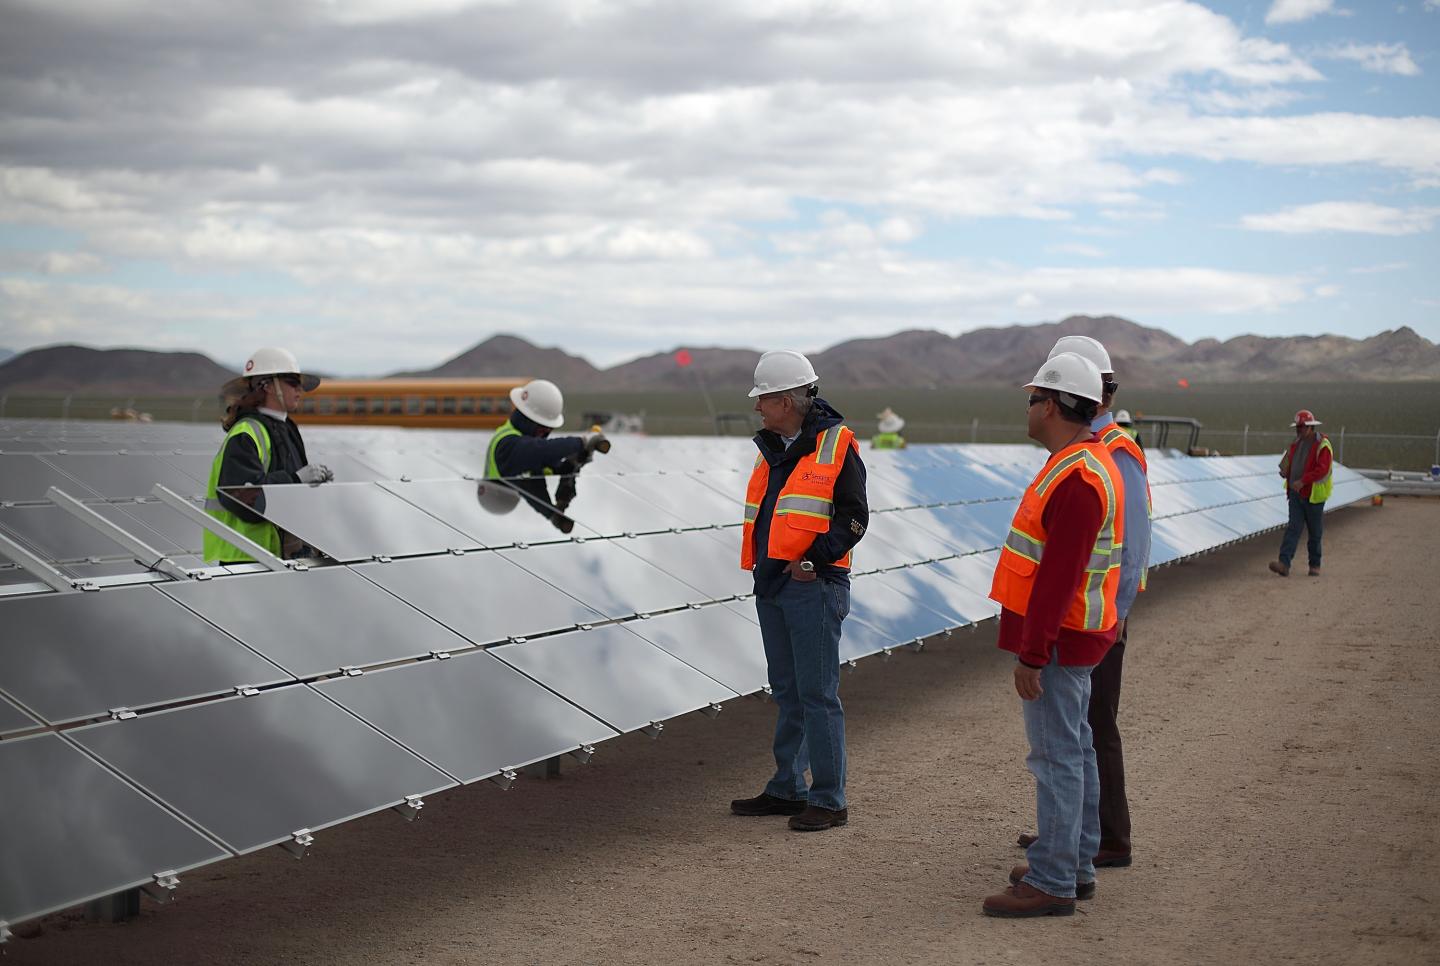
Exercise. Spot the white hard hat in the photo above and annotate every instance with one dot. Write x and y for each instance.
(497, 498)
(1072, 373)
(782, 369)
(540, 399)
(890, 422)
(270, 361)
(1123, 417)
(1083, 345)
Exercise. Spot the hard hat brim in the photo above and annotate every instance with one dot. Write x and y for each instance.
(240, 384)
(524, 408)
(759, 391)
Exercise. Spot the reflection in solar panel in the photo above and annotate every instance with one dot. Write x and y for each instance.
(456, 502)
(317, 622)
(117, 476)
(616, 675)
(607, 577)
(251, 771)
(708, 560)
(473, 716)
(74, 657)
(75, 832)
(685, 497)
(715, 640)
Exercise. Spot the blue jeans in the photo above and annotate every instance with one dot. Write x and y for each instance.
(801, 629)
(1303, 515)
(1067, 783)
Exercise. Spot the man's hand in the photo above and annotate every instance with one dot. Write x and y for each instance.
(565, 492)
(1027, 682)
(314, 474)
(793, 569)
(1295, 487)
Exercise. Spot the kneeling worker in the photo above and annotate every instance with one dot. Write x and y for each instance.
(805, 509)
(262, 447)
(522, 453)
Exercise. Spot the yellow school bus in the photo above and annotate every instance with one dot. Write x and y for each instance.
(431, 403)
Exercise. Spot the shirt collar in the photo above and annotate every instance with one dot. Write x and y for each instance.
(1101, 421)
(274, 413)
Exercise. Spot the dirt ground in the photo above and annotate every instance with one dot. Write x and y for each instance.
(1281, 738)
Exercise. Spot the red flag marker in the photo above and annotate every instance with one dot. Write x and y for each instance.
(683, 358)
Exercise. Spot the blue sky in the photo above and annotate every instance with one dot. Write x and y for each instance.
(380, 184)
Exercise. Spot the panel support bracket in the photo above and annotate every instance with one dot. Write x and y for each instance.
(583, 754)
(505, 779)
(162, 887)
(654, 728)
(409, 809)
(299, 842)
(147, 555)
(230, 535)
(36, 567)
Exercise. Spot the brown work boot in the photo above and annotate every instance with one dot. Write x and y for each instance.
(1026, 840)
(1314, 571)
(1024, 901)
(1276, 567)
(1111, 859)
(767, 804)
(1083, 890)
(817, 819)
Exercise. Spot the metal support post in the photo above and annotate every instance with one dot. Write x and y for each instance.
(549, 768)
(1342, 444)
(36, 567)
(974, 427)
(120, 907)
(1245, 441)
(144, 553)
(200, 518)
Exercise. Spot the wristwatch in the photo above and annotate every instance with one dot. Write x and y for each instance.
(807, 566)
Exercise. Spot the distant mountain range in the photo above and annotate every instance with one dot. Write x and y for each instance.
(6, 354)
(1142, 356)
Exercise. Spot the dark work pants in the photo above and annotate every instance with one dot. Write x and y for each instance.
(1307, 516)
(1109, 755)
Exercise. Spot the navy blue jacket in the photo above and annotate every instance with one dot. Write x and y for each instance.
(528, 455)
(852, 510)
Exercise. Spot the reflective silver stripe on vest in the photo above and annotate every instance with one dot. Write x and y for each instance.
(809, 505)
(1095, 600)
(752, 511)
(1026, 546)
(262, 440)
(213, 505)
(827, 446)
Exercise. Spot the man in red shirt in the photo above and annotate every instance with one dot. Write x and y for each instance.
(1306, 469)
(1056, 583)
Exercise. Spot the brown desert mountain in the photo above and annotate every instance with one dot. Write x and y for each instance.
(1143, 356)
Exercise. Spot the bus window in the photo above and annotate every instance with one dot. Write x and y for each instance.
(326, 405)
(342, 405)
(307, 405)
(487, 405)
(503, 406)
(467, 404)
(412, 405)
(377, 405)
(357, 405)
(447, 405)
(431, 405)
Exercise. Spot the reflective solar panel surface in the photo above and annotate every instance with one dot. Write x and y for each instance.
(603, 574)
(74, 832)
(74, 657)
(358, 521)
(13, 720)
(252, 770)
(472, 715)
(457, 502)
(720, 641)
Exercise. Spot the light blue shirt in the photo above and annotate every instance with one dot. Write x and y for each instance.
(1135, 554)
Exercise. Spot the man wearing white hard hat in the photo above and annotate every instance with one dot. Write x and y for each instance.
(262, 446)
(1306, 469)
(1105, 682)
(522, 453)
(1056, 581)
(888, 426)
(805, 510)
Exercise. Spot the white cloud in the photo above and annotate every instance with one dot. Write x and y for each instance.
(1327, 291)
(1376, 58)
(1252, 100)
(1294, 11)
(1379, 269)
(1345, 216)
(1077, 248)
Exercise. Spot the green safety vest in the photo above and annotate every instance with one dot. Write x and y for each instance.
(267, 535)
(1320, 490)
(506, 430)
(887, 441)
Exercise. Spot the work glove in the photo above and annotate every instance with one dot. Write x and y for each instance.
(314, 474)
(597, 442)
(565, 492)
(562, 523)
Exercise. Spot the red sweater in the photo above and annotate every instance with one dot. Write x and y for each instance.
(1317, 465)
(1072, 521)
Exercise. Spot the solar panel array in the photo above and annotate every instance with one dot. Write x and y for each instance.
(159, 723)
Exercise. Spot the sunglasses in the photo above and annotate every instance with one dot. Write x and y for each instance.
(1036, 398)
(292, 381)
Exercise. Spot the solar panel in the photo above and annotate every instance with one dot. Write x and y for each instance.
(616, 675)
(610, 510)
(77, 656)
(902, 617)
(481, 596)
(75, 832)
(13, 720)
(252, 771)
(473, 716)
(316, 622)
(124, 475)
(358, 521)
(973, 576)
(684, 497)
(487, 525)
(708, 560)
(719, 641)
(56, 535)
(25, 478)
(603, 574)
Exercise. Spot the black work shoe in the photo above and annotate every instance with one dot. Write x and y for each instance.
(1083, 890)
(766, 804)
(817, 819)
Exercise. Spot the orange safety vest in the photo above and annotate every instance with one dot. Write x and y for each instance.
(1116, 439)
(806, 503)
(1093, 607)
